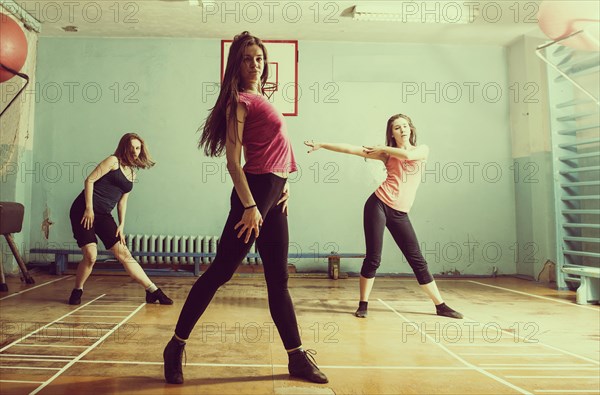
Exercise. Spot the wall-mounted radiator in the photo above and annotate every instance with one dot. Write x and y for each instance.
(176, 244)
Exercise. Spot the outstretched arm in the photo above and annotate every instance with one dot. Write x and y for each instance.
(345, 149)
(419, 153)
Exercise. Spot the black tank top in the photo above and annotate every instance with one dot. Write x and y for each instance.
(108, 190)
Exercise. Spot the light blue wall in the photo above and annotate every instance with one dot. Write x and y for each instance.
(460, 219)
(532, 153)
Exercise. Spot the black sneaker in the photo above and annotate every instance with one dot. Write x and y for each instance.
(361, 312)
(75, 296)
(446, 311)
(172, 357)
(159, 295)
(303, 365)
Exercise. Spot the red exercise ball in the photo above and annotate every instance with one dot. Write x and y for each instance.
(13, 46)
(558, 19)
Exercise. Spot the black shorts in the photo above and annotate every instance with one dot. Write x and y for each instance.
(104, 226)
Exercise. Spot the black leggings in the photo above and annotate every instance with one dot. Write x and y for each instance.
(377, 216)
(272, 246)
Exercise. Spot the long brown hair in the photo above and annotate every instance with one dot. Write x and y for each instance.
(124, 153)
(389, 136)
(214, 130)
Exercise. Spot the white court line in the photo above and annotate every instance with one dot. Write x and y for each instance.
(83, 354)
(570, 353)
(89, 322)
(513, 355)
(37, 360)
(38, 356)
(46, 345)
(124, 299)
(240, 365)
(108, 311)
(71, 337)
(594, 391)
(20, 381)
(47, 325)
(544, 365)
(524, 340)
(552, 377)
(121, 298)
(520, 344)
(568, 303)
(27, 368)
(595, 369)
(114, 305)
(32, 288)
(456, 356)
(99, 316)
(187, 364)
(500, 342)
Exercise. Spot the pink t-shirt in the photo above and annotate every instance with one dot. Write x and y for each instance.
(267, 148)
(399, 189)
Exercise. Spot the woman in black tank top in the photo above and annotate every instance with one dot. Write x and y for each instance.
(108, 186)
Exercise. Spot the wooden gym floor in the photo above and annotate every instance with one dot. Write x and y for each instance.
(518, 337)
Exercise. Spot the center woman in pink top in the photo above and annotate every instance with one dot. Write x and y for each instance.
(244, 120)
(389, 207)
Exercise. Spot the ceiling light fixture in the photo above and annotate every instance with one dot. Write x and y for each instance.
(450, 12)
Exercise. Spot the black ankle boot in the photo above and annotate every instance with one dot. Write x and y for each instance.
(172, 357)
(159, 295)
(76, 296)
(303, 365)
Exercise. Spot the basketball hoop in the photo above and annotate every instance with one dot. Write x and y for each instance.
(269, 88)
